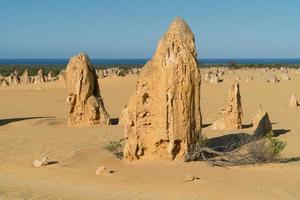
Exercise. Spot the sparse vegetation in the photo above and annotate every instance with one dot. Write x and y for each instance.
(240, 151)
(116, 147)
(266, 150)
(6, 69)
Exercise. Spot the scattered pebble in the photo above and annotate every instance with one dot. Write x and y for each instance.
(189, 178)
(40, 163)
(103, 170)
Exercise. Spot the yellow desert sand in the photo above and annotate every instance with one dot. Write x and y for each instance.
(34, 123)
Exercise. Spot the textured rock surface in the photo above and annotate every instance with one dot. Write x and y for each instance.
(124, 116)
(4, 83)
(103, 170)
(100, 73)
(262, 124)
(164, 118)
(15, 77)
(41, 163)
(189, 178)
(39, 78)
(51, 77)
(25, 78)
(214, 78)
(259, 114)
(232, 115)
(61, 75)
(9, 79)
(86, 104)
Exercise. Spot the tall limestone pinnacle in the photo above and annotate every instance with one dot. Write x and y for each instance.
(86, 104)
(163, 117)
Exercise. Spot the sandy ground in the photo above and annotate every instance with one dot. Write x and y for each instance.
(33, 122)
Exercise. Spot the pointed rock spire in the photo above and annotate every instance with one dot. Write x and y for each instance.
(232, 113)
(163, 116)
(86, 104)
(293, 102)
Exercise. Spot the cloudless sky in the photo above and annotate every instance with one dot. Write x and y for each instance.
(132, 28)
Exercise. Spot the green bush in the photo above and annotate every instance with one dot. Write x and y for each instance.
(276, 146)
(267, 149)
(116, 147)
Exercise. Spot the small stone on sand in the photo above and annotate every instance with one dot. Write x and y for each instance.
(40, 163)
(103, 170)
(189, 178)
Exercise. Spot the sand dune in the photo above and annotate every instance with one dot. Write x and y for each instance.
(33, 122)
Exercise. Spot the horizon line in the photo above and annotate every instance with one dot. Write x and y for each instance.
(150, 58)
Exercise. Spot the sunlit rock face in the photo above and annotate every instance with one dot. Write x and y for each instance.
(86, 104)
(163, 118)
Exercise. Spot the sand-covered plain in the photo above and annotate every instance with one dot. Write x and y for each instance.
(33, 122)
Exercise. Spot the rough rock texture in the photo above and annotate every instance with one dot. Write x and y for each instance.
(15, 77)
(259, 114)
(39, 78)
(262, 124)
(189, 178)
(86, 104)
(214, 78)
(133, 70)
(232, 115)
(9, 79)
(164, 118)
(103, 170)
(61, 75)
(112, 72)
(4, 83)
(25, 77)
(100, 73)
(41, 163)
(124, 116)
(51, 77)
(211, 77)
(293, 102)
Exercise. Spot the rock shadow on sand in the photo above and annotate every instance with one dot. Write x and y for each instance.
(114, 121)
(12, 120)
(230, 142)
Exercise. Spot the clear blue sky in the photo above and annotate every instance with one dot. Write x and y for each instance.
(132, 28)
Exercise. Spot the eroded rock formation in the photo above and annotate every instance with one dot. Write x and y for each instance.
(86, 104)
(124, 116)
(293, 102)
(100, 73)
(262, 124)
(39, 78)
(273, 79)
(285, 76)
(232, 114)
(50, 76)
(164, 118)
(61, 75)
(25, 77)
(15, 77)
(214, 78)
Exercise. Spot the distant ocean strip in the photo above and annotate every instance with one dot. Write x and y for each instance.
(143, 61)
